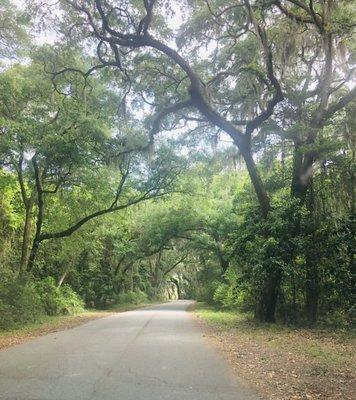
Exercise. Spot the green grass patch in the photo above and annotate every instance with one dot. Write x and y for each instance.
(223, 318)
(324, 354)
(235, 319)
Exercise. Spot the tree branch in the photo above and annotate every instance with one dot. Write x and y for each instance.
(343, 102)
(80, 223)
(293, 16)
(278, 95)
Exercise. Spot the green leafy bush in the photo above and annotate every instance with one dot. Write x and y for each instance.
(20, 303)
(132, 297)
(57, 301)
(72, 303)
(232, 293)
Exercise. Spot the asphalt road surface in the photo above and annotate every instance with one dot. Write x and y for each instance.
(155, 353)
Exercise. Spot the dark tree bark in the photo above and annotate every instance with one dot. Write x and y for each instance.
(40, 214)
(224, 263)
(28, 202)
(26, 236)
(266, 306)
(257, 183)
(40, 237)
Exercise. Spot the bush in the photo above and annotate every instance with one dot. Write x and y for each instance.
(233, 293)
(72, 303)
(19, 303)
(58, 301)
(24, 301)
(337, 318)
(205, 293)
(132, 297)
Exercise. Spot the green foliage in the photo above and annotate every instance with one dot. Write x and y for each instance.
(23, 300)
(13, 30)
(233, 293)
(58, 301)
(20, 303)
(132, 297)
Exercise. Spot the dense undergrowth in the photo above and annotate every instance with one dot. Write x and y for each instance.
(25, 301)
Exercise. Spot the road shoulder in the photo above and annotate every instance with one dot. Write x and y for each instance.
(283, 363)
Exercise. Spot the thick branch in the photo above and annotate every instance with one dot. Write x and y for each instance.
(171, 268)
(40, 214)
(80, 223)
(293, 16)
(156, 126)
(343, 102)
(61, 180)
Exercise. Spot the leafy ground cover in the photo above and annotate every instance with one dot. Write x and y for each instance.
(284, 362)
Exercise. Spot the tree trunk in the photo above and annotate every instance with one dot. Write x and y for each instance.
(303, 190)
(39, 219)
(266, 307)
(257, 183)
(35, 244)
(224, 263)
(131, 277)
(311, 290)
(26, 237)
(61, 279)
(302, 174)
(156, 274)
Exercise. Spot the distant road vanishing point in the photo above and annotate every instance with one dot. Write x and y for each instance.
(154, 353)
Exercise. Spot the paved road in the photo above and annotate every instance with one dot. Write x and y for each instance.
(155, 353)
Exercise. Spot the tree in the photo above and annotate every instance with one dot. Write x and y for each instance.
(14, 26)
(215, 90)
(57, 146)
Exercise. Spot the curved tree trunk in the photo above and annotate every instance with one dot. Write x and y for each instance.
(261, 193)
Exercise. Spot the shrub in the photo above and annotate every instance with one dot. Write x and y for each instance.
(72, 303)
(233, 293)
(132, 297)
(24, 301)
(19, 303)
(57, 301)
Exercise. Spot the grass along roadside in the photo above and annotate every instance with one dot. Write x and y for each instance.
(49, 324)
(284, 363)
